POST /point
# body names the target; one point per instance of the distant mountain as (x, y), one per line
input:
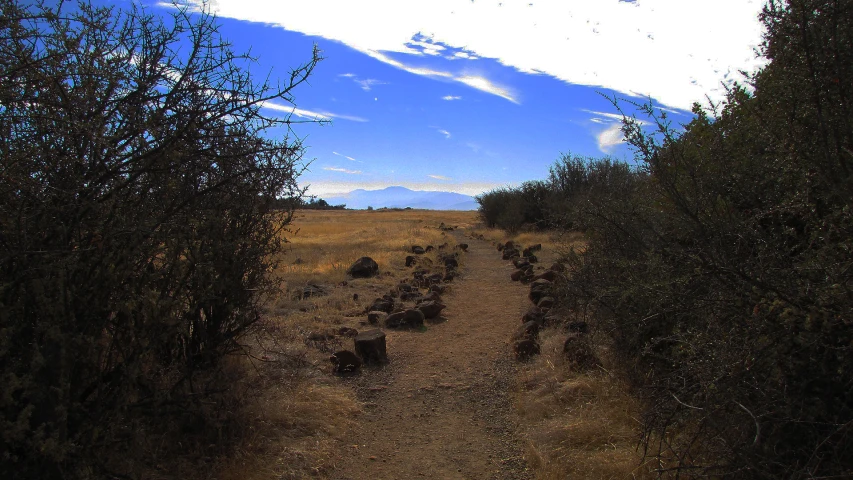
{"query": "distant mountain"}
(401, 197)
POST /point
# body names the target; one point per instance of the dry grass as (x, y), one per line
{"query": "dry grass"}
(297, 414)
(577, 424)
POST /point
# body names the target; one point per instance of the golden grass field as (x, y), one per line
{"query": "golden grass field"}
(577, 425)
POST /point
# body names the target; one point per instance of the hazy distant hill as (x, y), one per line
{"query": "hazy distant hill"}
(400, 197)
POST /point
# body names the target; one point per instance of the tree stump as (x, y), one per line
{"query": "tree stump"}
(370, 346)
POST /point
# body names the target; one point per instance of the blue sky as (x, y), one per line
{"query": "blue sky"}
(469, 95)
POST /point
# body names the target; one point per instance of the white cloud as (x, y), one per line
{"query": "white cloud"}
(368, 83)
(673, 50)
(443, 132)
(451, 97)
(347, 75)
(347, 157)
(310, 114)
(440, 177)
(610, 137)
(343, 170)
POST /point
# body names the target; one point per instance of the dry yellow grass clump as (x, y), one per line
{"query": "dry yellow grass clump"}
(578, 424)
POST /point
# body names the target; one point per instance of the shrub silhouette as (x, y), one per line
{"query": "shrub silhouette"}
(721, 265)
(137, 228)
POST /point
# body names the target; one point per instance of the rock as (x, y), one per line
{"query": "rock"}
(538, 290)
(525, 349)
(430, 297)
(577, 326)
(534, 314)
(376, 316)
(536, 248)
(418, 250)
(345, 361)
(381, 305)
(429, 248)
(410, 260)
(531, 258)
(549, 275)
(440, 289)
(405, 287)
(500, 247)
(364, 267)
(558, 267)
(509, 244)
(529, 330)
(516, 275)
(521, 262)
(411, 318)
(509, 253)
(347, 332)
(545, 303)
(431, 309)
(450, 275)
(313, 290)
(443, 246)
(411, 296)
(371, 346)
(579, 352)
(451, 263)
(463, 247)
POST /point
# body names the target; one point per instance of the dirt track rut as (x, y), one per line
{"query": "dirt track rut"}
(441, 408)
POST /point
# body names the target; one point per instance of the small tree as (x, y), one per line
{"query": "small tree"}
(137, 227)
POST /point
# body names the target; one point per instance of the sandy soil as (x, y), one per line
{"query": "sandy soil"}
(441, 407)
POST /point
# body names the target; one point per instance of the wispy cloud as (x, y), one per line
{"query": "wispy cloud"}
(343, 170)
(605, 43)
(347, 75)
(347, 157)
(368, 83)
(440, 177)
(443, 132)
(450, 98)
(311, 114)
(611, 136)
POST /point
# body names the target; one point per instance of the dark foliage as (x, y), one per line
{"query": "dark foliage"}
(136, 229)
(723, 267)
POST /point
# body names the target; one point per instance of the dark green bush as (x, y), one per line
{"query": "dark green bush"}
(725, 277)
(136, 229)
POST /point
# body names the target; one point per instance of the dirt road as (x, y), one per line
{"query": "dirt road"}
(441, 408)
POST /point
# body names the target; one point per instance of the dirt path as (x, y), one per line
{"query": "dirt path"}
(441, 408)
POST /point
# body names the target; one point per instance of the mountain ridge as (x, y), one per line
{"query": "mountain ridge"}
(402, 197)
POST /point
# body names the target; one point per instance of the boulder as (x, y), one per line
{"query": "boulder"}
(579, 353)
(431, 309)
(345, 361)
(534, 314)
(411, 318)
(558, 267)
(521, 262)
(347, 332)
(439, 289)
(463, 247)
(418, 250)
(516, 275)
(429, 248)
(405, 287)
(410, 260)
(411, 296)
(371, 346)
(545, 303)
(364, 267)
(525, 348)
(549, 275)
(381, 305)
(577, 326)
(509, 244)
(376, 316)
(538, 290)
(528, 330)
(510, 253)
(430, 297)
(531, 258)
(313, 290)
